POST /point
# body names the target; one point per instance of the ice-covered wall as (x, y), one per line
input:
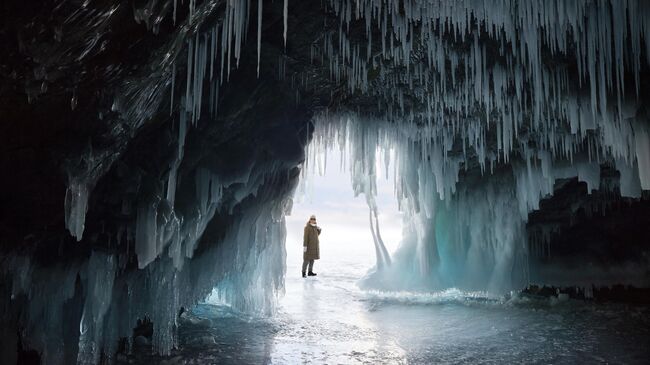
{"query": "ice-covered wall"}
(169, 198)
(172, 173)
(243, 266)
(223, 230)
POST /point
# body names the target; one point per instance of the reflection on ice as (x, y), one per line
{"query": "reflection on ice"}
(328, 319)
(447, 296)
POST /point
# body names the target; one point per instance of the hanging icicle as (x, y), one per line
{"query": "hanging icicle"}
(285, 14)
(259, 35)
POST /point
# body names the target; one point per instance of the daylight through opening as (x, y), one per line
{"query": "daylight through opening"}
(359, 227)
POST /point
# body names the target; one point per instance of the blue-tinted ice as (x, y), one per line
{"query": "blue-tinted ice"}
(327, 319)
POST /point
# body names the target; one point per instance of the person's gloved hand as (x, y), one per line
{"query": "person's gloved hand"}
(304, 248)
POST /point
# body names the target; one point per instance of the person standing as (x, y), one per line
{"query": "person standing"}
(311, 249)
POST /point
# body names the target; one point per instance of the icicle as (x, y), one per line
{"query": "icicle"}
(259, 34)
(76, 206)
(171, 106)
(174, 16)
(285, 15)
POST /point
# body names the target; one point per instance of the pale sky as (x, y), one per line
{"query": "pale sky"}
(346, 237)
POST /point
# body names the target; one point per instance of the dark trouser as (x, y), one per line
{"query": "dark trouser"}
(304, 265)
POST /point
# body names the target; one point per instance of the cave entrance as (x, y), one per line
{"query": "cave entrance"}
(347, 247)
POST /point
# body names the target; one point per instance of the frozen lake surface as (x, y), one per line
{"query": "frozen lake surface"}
(328, 320)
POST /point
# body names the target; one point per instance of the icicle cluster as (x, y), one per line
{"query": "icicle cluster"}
(478, 72)
(526, 92)
(83, 174)
(459, 232)
(209, 54)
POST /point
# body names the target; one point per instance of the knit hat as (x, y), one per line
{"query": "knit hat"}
(313, 216)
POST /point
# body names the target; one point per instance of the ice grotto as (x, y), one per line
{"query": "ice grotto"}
(152, 150)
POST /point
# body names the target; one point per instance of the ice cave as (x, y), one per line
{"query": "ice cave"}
(480, 168)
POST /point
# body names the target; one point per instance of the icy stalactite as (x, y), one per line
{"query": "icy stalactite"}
(380, 258)
(259, 35)
(83, 173)
(98, 281)
(160, 228)
(173, 173)
(383, 257)
(75, 207)
(214, 49)
(285, 18)
(642, 149)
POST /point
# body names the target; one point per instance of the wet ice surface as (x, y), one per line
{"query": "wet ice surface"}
(327, 319)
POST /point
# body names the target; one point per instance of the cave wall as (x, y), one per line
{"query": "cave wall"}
(96, 239)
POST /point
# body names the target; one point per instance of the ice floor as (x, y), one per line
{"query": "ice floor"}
(328, 320)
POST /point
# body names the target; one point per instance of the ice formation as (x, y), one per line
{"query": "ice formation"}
(484, 103)
(469, 236)
(461, 230)
(461, 83)
(246, 266)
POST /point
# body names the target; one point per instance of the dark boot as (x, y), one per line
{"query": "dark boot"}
(303, 275)
(311, 273)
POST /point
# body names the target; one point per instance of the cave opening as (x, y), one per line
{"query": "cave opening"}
(347, 245)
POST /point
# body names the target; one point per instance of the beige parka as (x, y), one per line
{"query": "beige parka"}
(310, 240)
